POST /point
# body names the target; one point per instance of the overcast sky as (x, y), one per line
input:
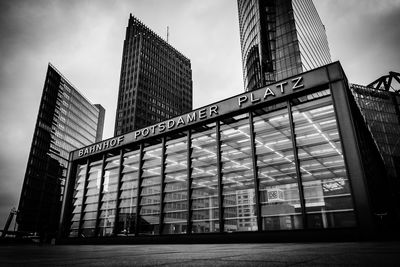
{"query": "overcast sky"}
(83, 40)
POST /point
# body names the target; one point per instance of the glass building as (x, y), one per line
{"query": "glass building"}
(381, 112)
(280, 39)
(66, 121)
(155, 82)
(283, 160)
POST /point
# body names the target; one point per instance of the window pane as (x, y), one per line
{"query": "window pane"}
(325, 182)
(279, 193)
(128, 197)
(175, 192)
(237, 175)
(91, 199)
(109, 196)
(204, 186)
(150, 191)
(77, 199)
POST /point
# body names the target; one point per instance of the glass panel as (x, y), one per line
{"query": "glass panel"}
(175, 192)
(91, 199)
(279, 193)
(77, 199)
(150, 191)
(326, 185)
(109, 196)
(237, 175)
(204, 186)
(128, 197)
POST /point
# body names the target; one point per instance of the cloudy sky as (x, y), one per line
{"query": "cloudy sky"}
(83, 39)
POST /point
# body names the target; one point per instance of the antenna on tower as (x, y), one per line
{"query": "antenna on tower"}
(167, 33)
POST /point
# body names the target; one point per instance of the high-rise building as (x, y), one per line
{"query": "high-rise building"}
(155, 82)
(66, 121)
(280, 39)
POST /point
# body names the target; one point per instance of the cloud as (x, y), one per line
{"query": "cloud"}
(363, 35)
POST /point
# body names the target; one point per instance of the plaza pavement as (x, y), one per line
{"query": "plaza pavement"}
(272, 254)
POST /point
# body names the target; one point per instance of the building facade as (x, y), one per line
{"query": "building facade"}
(381, 111)
(280, 39)
(155, 82)
(268, 162)
(66, 121)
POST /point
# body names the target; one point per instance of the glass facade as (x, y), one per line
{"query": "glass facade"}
(381, 112)
(66, 121)
(155, 82)
(280, 39)
(279, 189)
(127, 207)
(276, 167)
(325, 183)
(204, 181)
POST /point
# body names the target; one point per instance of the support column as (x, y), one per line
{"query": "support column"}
(117, 198)
(255, 173)
(162, 186)
(96, 229)
(219, 174)
(189, 183)
(83, 197)
(297, 163)
(139, 183)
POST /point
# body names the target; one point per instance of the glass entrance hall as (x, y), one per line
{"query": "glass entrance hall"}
(286, 157)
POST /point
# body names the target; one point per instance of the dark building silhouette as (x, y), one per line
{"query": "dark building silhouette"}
(280, 39)
(155, 82)
(66, 121)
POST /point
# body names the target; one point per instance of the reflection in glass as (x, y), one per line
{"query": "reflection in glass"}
(149, 215)
(109, 196)
(128, 195)
(325, 182)
(204, 186)
(279, 193)
(237, 175)
(175, 190)
(91, 199)
(77, 199)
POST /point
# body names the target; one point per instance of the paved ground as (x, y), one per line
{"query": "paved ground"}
(279, 254)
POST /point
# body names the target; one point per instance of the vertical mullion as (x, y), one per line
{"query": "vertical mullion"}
(220, 196)
(162, 185)
(117, 200)
(297, 164)
(85, 184)
(189, 183)
(255, 172)
(139, 183)
(96, 229)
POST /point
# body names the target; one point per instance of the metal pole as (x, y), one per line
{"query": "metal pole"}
(297, 163)
(139, 183)
(219, 172)
(255, 173)
(117, 199)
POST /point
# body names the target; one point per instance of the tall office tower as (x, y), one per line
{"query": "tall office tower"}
(381, 111)
(280, 39)
(66, 121)
(155, 82)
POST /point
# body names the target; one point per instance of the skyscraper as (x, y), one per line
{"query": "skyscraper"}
(155, 82)
(66, 121)
(280, 39)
